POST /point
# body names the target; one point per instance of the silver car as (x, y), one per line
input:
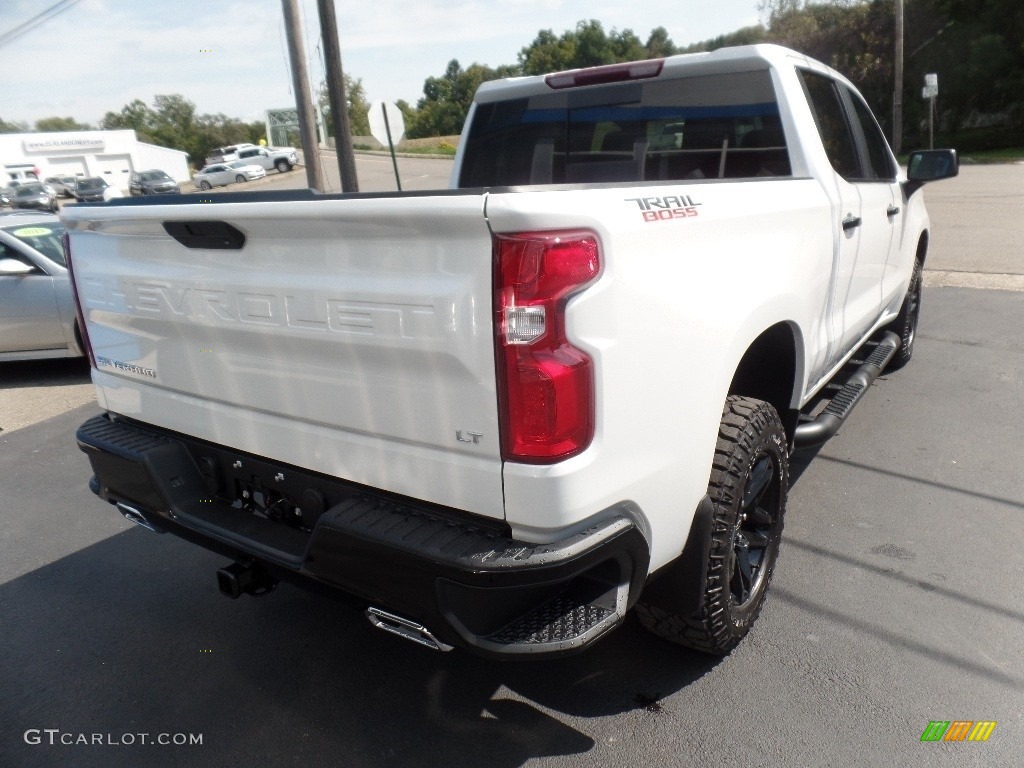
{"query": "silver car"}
(37, 311)
(222, 174)
(62, 185)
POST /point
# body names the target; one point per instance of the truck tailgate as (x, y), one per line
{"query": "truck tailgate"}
(349, 336)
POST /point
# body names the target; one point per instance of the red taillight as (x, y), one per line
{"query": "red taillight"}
(78, 302)
(547, 406)
(610, 73)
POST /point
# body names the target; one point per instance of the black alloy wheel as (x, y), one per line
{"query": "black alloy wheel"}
(748, 487)
(758, 530)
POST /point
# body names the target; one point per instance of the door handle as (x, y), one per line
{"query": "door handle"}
(851, 222)
(891, 211)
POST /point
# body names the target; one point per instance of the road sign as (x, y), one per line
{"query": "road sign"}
(387, 127)
(929, 92)
(378, 127)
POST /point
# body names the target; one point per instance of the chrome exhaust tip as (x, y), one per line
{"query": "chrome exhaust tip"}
(406, 628)
(135, 516)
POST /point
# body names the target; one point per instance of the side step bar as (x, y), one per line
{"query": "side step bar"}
(828, 422)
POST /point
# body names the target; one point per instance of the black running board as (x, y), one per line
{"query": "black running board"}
(828, 422)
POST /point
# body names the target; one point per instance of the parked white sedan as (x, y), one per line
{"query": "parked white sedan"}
(222, 174)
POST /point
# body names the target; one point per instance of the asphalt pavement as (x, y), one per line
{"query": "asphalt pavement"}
(896, 602)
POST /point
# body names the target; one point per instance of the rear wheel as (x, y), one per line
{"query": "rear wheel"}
(905, 324)
(240, 178)
(748, 487)
(282, 165)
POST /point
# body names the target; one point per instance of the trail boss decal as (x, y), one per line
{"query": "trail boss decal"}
(665, 208)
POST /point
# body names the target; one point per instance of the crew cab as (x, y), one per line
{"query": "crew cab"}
(227, 154)
(502, 415)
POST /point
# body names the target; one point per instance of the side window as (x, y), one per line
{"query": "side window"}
(882, 166)
(7, 252)
(832, 125)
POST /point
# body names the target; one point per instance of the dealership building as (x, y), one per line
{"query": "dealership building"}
(111, 155)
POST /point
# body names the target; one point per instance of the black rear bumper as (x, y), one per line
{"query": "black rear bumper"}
(461, 576)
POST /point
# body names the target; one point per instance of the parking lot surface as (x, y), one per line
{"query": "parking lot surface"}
(896, 602)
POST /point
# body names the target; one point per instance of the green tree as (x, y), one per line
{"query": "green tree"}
(358, 106)
(446, 99)
(856, 37)
(547, 53)
(659, 44)
(47, 124)
(744, 36)
(409, 112)
(210, 131)
(585, 46)
(980, 63)
(12, 127)
(976, 48)
(135, 115)
(588, 45)
(174, 123)
(255, 132)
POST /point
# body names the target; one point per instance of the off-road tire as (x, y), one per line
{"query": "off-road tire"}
(750, 432)
(283, 166)
(905, 324)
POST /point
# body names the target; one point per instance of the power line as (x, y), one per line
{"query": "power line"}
(24, 28)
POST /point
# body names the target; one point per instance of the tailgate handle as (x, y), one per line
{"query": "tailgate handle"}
(205, 234)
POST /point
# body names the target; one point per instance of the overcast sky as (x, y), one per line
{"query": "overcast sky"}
(100, 54)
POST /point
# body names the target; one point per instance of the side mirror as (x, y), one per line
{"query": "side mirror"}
(930, 165)
(14, 267)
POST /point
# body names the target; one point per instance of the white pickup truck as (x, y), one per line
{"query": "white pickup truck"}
(502, 415)
(269, 157)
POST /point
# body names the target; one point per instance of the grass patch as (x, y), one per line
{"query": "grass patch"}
(440, 149)
(990, 156)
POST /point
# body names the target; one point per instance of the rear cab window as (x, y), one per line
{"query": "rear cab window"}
(699, 127)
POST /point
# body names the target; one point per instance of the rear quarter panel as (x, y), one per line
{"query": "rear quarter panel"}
(676, 306)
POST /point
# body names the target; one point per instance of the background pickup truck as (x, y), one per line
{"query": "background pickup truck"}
(269, 157)
(502, 415)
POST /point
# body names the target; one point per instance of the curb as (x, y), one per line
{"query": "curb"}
(385, 153)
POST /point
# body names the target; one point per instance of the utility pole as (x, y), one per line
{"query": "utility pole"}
(897, 99)
(336, 94)
(303, 99)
